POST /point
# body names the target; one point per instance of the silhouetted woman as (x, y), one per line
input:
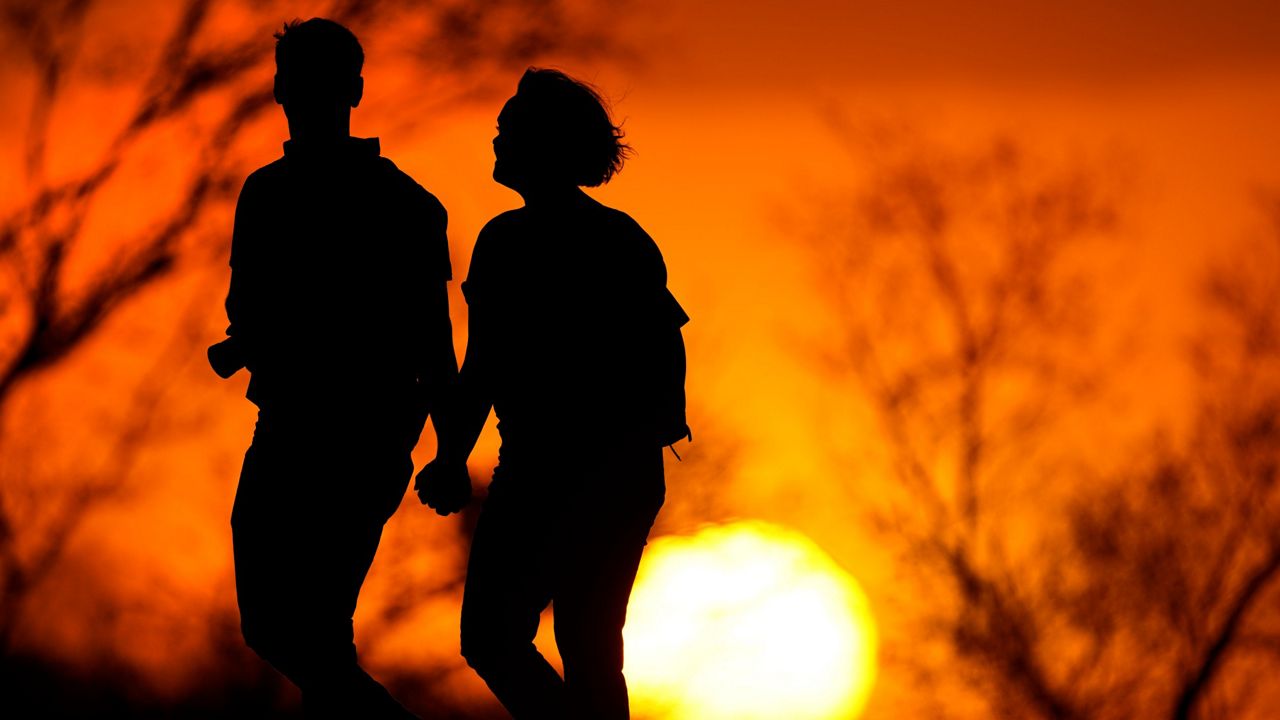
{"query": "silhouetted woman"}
(575, 343)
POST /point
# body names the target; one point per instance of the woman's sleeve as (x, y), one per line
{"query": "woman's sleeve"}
(480, 284)
(662, 306)
(669, 310)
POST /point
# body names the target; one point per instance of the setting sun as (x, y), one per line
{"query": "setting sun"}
(747, 620)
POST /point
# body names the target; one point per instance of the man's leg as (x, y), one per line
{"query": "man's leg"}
(305, 537)
(358, 482)
(507, 588)
(336, 686)
(265, 540)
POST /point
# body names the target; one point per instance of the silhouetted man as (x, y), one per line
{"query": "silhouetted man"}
(338, 308)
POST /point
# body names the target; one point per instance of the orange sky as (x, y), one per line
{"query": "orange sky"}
(727, 104)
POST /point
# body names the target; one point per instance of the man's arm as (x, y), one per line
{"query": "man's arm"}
(471, 402)
(472, 398)
(435, 363)
(233, 353)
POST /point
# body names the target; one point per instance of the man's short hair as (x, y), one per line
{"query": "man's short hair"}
(574, 118)
(318, 49)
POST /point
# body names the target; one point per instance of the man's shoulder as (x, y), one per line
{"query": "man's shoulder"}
(265, 177)
(403, 185)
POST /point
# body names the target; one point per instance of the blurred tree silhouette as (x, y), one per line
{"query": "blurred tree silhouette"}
(1185, 549)
(1049, 591)
(191, 99)
(960, 323)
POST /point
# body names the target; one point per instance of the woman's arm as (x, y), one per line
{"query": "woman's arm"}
(472, 398)
(444, 484)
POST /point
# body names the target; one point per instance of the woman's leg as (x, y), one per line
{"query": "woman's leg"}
(600, 554)
(508, 586)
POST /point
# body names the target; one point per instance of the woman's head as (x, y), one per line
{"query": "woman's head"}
(556, 131)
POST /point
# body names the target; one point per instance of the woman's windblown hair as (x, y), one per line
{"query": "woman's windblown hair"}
(573, 117)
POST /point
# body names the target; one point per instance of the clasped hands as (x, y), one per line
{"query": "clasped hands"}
(444, 486)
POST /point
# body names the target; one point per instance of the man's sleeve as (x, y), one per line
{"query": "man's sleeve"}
(436, 238)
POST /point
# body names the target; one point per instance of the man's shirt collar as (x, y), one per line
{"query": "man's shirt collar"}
(344, 147)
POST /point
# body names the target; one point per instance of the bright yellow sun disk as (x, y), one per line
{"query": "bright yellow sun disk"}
(748, 621)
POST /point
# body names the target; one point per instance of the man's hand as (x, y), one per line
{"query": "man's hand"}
(444, 487)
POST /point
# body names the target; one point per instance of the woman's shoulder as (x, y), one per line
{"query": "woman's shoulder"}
(620, 220)
(624, 233)
(629, 236)
(501, 232)
(630, 251)
(504, 223)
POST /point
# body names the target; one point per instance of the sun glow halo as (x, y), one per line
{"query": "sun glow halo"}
(748, 621)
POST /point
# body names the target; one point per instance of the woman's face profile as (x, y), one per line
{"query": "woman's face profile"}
(508, 155)
(519, 159)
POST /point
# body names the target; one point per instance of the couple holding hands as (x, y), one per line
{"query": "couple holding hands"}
(338, 308)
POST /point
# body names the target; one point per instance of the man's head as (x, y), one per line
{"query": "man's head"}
(318, 65)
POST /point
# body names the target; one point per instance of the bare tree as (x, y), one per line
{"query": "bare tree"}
(50, 311)
(1187, 545)
(1051, 587)
(959, 318)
